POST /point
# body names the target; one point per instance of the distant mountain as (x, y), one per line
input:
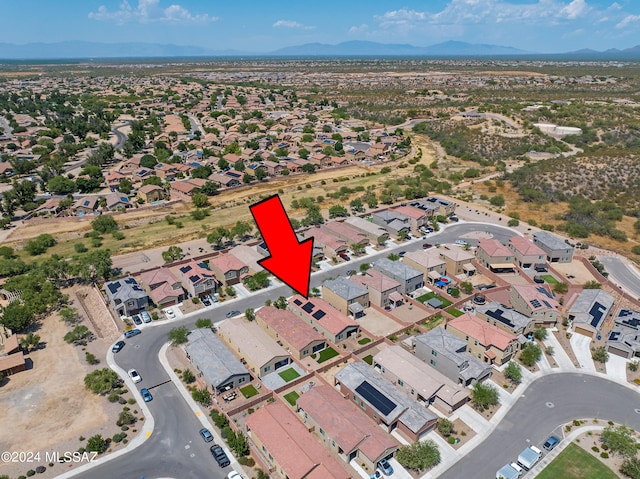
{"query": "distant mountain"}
(612, 53)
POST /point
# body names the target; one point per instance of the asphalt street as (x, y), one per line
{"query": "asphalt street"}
(548, 402)
(175, 448)
(620, 272)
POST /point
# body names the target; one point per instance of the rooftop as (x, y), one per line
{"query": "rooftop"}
(525, 246)
(124, 289)
(227, 262)
(494, 248)
(252, 341)
(396, 269)
(295, 331)
(508, 317)
(551, 241)
(345, 288)
(486, 334)
(375, 280)
(323, 313)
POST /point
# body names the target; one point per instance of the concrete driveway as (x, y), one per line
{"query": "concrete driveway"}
(582, 350)
(617, 368)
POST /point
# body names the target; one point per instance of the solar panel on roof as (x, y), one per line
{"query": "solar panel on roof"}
(319, 314)
(374, 397)
(543, 291)
(297, 301)
(614, 335)
(194, 278)
(185, 269)
(86, 203)
(113, 287)
(597, 311)
(233, 175)
(625, 312)
(130, 281)
(546, 303)
(535, 303)
(308, 307)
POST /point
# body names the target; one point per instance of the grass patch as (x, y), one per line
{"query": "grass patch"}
(549, 279)
(576, 463)
(327, 354)
(433, 322)
(249, 391)
(455, 312)
(289, 374)
(426, 297)
(292, 397)
(364, 341)
(368, 359)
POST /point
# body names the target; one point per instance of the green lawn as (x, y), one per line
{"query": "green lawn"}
(455, 312)
(327, 354)
(433, 322)
(576, 463)
(364, 341)
(426, 297)
(249, 391)
(549, 279)
(292, 397)
(289, 374)
(368, 359)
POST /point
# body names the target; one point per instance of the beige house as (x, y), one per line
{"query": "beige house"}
(228, 269)
(537, 302)
(375, 233)
(527, 254)
(346, 296)
(324, 318)
(458, 261)
(494, 255)
(383, 290)
(429, 262)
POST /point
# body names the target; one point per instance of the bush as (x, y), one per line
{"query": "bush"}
(204, 323)
(125, 418)
(31, 472)
(91, 359)
(118, 437)
(451, 440)
(540, 334)
(445, 426)
(633, 365)
(419, 456)
(484, 395)
(188, 377)
(96, 444)
(113, 397)
(530, 354)
(600, 354)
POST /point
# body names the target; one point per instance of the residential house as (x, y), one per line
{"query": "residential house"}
(448, 354)
(273, 168)
(485, 341)
(346, 296)
(298, 337)
(198, 278)
(557, 250)
(126, 297)
(324, 318)
(422, 383)
(343, 429)
(331, 245)
(588, 309)
(394, 223)
(229, 270)
(527, 254)
(346, 232)
(113, 179)
(383, 290)
(151, 193)
(429, 262)
(183, 189)
(288, 447)
(507, 319)
(624, 338)
(248, 255)
(219, 369)
(383, 402)
(445, 207)
(536, 301)
(86, 205)
(49, 207)
(223, 180)
(378, 151)
(252, 344)
(163, 287)
(376, 234)
(117, 202)
(130, 165)
(494, 255)
(409, 278)
(166, 171)
(142, 174)
(417, 217)
(458, 261)
(6, 169)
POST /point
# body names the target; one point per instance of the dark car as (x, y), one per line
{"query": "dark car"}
(136, 319)
(351, 272)
(454, 218)
(206, 301)
(402, 253)
(219, 455)
(551, 442)
(131, 333)
(117, 347)
(344, 256)
(146, 395)
(206, 434)
(231, 314)
(426, 245)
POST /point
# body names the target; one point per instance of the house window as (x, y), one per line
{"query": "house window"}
(433, 363)
(267, 368)
(241, 380)
(322, 432)
(412, 391)
(264, 449)
(400, 382)
(434, 352)
(355, 398)
(363, 405)
(475, 343)
(375, 415)
(467, 338)
(306, 351)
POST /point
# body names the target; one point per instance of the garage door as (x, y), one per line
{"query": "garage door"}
(584, 332)
(618, 352)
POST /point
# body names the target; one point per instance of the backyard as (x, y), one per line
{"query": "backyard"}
(426, 297)
(249, 391)
(292, 397)
(289, 374)
(576, 463)
(327, 354)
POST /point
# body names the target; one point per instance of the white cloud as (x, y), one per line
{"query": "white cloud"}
(628, 20)
(359, 28)
(149, 11)
(575, 9)
(291, 24)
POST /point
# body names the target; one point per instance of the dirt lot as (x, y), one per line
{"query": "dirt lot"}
(48, 406)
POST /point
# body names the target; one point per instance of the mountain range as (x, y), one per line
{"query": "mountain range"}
(95, 50)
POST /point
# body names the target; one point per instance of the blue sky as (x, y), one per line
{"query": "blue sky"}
(544, 26)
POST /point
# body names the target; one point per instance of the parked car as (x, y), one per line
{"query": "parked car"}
(402, 253)
(133, 374)
(454, 218)
(551, 442)
(136, 319)
(385, 466)
(235, 475)
(206, 301)
(170, 314)
(206, 434)
(146, 395)
(426, 245)
(233, 313)
(344, 256)
(145, 316)
(213, 298)
(117, 347)
(131, 333)
(461, 242)
(219, 455)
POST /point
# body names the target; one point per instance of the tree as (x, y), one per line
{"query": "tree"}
(69, 314)
(102, 381)
(357, 205)
(222, 163)
(125, 186)
(631, 467)
(497, 200)
(466, 287)
(148, 161)
(600, 354)
(620, 439)
(280, 303)
(241, 229)
(125, 418)
(357, 248)
(94, 265)
(261, 173)
(78, 335)
(200, 200)
(201, 396)
(419, 456)
(209, 188)
(445, 426)
(174, 253)
(309, 168)
(178, 336)
(540, 333)
(104, 224)
(204, 323)
(17, 317)
(364, 267)
(338, 211)
(530, 354)
(513, 372)
(592, 284)
(304, 154)
(96, 444)
(393, 256)
(217, 235)
(257, 281)
(484, 395)
(249, 314)
(31, 339)
(60, 185)
(40, 244)
(560, 288)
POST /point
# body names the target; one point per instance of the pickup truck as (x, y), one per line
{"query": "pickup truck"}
(529, 457)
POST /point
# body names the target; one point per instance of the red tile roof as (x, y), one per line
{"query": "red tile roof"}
(295, 331)
(525, 246)
(227, 262)
(333, 320)
(410, 211)
(485, 333)
(494, 248)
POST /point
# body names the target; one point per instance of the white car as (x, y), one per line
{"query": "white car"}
(235, 475)
(133, 374)
(170, 314)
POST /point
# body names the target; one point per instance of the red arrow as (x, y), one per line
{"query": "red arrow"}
(289, 259)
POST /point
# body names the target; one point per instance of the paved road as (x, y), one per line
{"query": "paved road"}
(164, 454)
(622, 273)
(573, 396)
(121, 137)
